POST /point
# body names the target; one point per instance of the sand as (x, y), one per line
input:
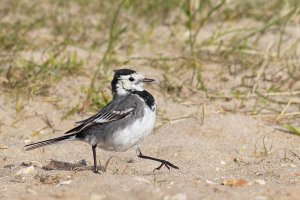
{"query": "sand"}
(220, 155)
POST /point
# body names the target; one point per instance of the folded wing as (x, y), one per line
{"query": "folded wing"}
(104, 116)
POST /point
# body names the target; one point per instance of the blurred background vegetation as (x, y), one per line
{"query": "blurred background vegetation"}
(220, 50)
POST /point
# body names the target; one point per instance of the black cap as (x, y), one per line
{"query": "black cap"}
(123, 72)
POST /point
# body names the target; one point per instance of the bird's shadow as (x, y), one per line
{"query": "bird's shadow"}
(80, 165)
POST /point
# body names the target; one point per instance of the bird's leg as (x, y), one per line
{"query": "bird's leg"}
(95, 170)
(165, 163)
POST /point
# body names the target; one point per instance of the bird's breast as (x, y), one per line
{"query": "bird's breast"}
(133, 133)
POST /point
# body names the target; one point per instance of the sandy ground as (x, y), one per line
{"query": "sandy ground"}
(220, 155)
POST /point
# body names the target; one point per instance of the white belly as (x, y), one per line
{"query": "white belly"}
(134, 133)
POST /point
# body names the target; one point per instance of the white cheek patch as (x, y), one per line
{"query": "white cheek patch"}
(137, 84)
(125, 84)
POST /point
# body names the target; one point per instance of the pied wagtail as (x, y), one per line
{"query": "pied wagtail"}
(120, 125)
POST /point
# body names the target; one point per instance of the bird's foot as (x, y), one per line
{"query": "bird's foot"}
(96, 171)
(167, 164)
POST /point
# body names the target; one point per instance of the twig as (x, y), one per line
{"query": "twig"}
(283, 111)
(273, 100)
(260, 72)
(2, 190)
(3, 177)
(158, 58)
(295, 154)
(278, 94)
(275, 115)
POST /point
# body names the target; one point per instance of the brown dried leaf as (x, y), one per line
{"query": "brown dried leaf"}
(2, 146)
(297, 174)
(235, 182)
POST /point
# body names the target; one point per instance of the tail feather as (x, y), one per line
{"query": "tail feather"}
(49, 142)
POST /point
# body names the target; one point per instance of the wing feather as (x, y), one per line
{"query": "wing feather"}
(104, 116)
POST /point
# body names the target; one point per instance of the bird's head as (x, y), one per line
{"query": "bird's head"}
(127, 80)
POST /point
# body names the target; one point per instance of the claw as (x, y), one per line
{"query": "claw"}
(162, 162)
(96, 171)
(167, 167)
(159, 167)
(173, 166)
(166, 164)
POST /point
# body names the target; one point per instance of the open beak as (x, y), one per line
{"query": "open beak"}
(148, 80)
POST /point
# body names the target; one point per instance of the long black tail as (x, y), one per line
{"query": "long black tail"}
(51, 141)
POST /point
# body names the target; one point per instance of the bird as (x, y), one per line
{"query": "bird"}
(122, 124)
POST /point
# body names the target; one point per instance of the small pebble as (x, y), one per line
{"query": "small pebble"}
(179, 196)
(27, 141)
(260, 182)
(27, 170)
(95, 196)
(260, 198)
(64, 183)
(31, 191)
(141, 180)
(210, 182)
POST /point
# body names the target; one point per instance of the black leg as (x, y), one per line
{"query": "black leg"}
(95, 170)
(165, 163)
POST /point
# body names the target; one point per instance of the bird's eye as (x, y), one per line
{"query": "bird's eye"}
(131, 79)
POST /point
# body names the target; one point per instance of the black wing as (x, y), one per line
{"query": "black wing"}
(104, 116)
